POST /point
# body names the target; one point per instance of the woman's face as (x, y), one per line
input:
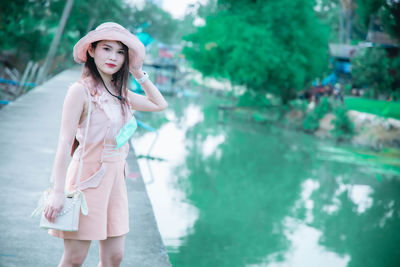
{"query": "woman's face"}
(108, 56)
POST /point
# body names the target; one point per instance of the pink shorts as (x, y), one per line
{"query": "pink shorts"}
(108, 203)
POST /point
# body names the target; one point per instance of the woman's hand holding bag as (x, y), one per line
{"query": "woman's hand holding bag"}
(54, 206)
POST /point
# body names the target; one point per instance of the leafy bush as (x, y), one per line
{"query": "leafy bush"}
(344, 127)
(311, 120)
(253, 99)
(298, 104)
(322, 108)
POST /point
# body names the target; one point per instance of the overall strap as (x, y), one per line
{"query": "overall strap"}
(78, 179)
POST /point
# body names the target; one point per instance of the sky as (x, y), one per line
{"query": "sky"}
(177, 7)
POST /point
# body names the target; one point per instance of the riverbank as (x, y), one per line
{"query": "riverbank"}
(368, 129)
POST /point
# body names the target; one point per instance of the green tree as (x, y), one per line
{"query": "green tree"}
(28, 27)
(268, 46)
(23, 28)
(387, 10)
(371, 68)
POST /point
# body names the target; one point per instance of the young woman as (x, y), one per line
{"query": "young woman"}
(109, 52)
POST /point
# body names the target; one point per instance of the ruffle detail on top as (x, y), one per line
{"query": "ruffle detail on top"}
(90, 85)
(98, 97)
(101, 101)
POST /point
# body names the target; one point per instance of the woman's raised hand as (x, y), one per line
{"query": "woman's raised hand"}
(137, 64)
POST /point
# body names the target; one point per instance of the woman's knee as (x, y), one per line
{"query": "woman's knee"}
(78, 259)
(116, 258)
(113, 259)
(74, 253)
(74, 260)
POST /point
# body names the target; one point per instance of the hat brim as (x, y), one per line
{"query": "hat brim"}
(136, 48)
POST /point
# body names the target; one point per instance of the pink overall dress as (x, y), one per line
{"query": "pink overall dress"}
(104, 170)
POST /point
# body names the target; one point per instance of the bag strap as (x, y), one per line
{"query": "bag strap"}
(78, 179)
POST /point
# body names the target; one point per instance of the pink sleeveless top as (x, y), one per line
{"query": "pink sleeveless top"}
(106, 119)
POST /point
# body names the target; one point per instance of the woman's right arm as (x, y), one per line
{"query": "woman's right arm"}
(74, 105)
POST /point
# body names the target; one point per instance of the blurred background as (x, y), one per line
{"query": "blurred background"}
(281, 142)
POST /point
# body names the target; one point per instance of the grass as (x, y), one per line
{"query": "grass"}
(377, 107)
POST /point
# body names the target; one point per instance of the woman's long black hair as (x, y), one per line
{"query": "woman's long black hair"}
(119, 79)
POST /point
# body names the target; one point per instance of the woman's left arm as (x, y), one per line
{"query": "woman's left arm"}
(152, 101)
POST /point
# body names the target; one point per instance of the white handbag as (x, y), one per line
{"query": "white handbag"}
(68, 218)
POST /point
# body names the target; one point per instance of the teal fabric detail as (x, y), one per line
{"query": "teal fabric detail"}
(126, 132)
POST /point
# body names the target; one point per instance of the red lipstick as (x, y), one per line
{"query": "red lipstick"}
(111, 65)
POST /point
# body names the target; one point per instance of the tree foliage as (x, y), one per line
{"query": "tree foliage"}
(274, 46)
(28, 27)
(387, 10)
(372, 68)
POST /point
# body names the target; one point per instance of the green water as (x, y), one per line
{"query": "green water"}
(240, 194)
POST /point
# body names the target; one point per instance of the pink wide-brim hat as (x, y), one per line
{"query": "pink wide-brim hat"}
(114, 32)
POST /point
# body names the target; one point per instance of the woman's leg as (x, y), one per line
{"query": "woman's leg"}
(111, 251)
(75, 252)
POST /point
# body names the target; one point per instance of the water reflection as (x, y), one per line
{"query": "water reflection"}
(238, 194)
(175, 216)
(305, 249)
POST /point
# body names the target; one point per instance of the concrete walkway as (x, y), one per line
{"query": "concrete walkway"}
(28, 140)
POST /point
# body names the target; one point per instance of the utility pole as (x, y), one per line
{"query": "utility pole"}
(53, 47)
